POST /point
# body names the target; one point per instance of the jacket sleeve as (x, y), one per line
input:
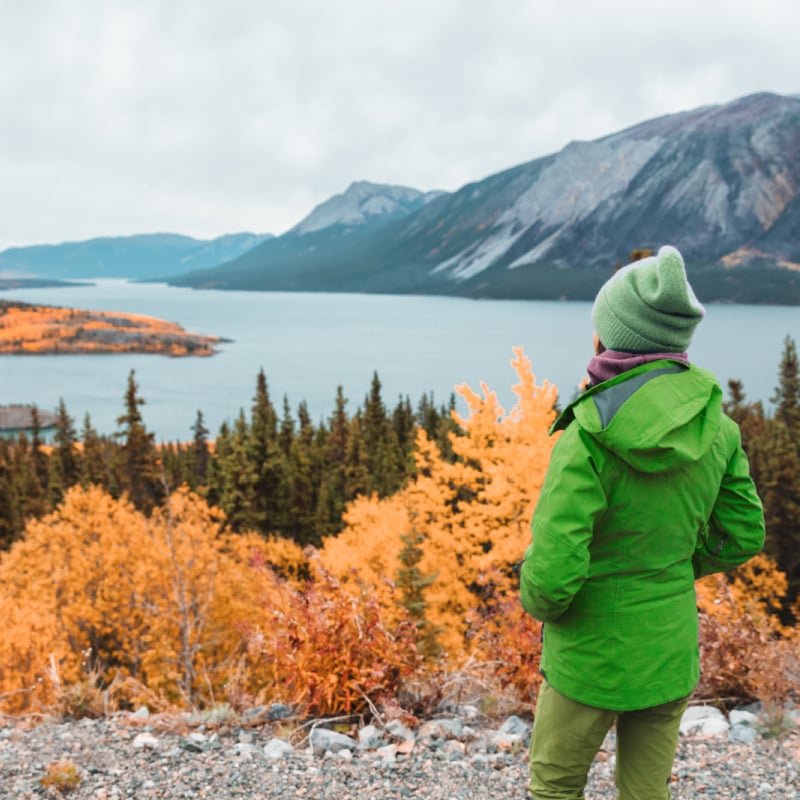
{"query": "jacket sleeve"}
(572, 498)
(735, 530)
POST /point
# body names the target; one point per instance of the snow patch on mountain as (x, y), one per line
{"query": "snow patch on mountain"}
(362, 202)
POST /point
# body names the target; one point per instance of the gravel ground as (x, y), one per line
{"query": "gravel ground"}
(229, 762)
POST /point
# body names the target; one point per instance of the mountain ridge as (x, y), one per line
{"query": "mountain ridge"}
(721, 182)
(142, 256)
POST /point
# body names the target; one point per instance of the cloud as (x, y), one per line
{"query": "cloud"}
(203, 117)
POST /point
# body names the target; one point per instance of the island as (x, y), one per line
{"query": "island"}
(29, 329)
(16, 418)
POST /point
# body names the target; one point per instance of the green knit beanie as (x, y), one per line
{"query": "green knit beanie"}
(648, 306)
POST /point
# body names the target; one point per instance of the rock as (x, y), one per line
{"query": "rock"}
(143, 712)
(218, 715)
(245, 749)
(609, 743)
(405, 748)
(742, 733)
(468, 711)
(515, 725)
(454, 750)
(441, 729)
(738, 717)
(369, 738)
(197, 737)
(703, 722)
(399, 730)
(277, 749)
(512, 734)
(254, 714)
(387, 753)
(343, 755)
(245, 737)
(322, 739)
(468, 734)
(145, 741)
(190, 745)
(279, 711)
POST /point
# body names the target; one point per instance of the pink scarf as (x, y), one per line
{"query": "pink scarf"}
(611, 363)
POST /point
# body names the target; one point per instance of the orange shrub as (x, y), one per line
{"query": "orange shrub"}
(325, 650)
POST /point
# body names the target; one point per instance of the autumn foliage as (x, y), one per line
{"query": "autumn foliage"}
(28, 328)
(175, 608)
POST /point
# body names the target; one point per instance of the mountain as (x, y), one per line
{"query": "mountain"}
(721, 182)
(142, 256)
(336, 227)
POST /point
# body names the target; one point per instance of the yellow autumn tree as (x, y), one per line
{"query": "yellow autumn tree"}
(471, 517)
(151, 599)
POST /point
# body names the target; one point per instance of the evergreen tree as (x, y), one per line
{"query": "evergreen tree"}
(40, 465)
(780, 491)
(9, 522)
(239, 479)
(412, 584)
(384, 460)
(200, 455)
(356, 471)
(286, 433)
(268, 462)
(138, 470)
(64, 452)
(787, 393)
(333, 470)
(93, 463)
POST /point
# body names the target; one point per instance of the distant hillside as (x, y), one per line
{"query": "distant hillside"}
(721, 182)
(142, 256)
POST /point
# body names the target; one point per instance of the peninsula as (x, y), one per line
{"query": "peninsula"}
(28, 329)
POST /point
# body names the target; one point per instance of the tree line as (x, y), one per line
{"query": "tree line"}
(280, 473)
(772, 443)
(274, 473)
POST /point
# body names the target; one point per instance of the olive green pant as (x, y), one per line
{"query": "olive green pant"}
(567, 735)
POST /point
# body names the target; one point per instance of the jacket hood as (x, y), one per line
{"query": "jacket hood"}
(656, 417)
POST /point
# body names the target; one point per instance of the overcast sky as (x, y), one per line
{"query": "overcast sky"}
(206, 117)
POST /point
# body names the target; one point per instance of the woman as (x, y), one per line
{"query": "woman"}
(647, 489)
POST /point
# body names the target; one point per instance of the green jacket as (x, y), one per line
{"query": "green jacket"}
(647, 489)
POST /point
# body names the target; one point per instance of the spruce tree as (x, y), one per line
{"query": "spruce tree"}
(787, 393)
(412, 583)
(64, 452)
(200, 455)
(267, 461)
(239, 480)
(138, 470)
(94, 462)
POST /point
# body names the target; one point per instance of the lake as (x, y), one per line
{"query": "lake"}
(309, 343)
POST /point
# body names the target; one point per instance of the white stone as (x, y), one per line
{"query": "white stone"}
(143, 712)
(369, 737)
(245, 750)
(344, 755)
(737, 717)
(399, 730)
(703, 722)
(196, 737)
(277, 749)
(387, 753)
(322, 740)
(742, 733)
(145, 740)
